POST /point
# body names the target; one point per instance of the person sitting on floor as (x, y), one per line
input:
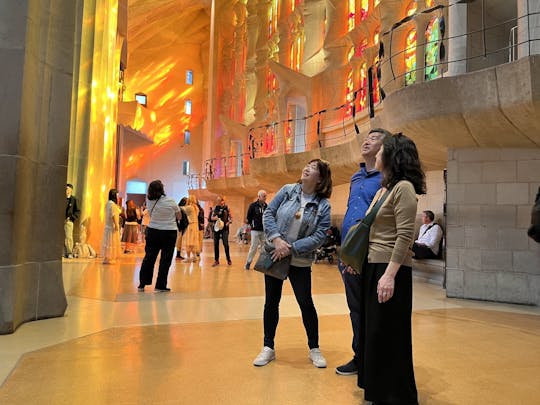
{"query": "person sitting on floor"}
(429, 238)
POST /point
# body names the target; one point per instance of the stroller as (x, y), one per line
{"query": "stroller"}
(329, 248)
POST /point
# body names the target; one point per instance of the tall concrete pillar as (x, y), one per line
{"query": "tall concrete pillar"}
(36, 49)
(528, 27)
(457, 39)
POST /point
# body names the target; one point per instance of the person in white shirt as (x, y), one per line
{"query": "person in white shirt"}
(160, 237)
(429, 238)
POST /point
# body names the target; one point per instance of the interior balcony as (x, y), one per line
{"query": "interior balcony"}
(497, 107)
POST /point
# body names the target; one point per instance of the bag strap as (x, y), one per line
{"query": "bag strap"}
(369, 218)
(152, 210)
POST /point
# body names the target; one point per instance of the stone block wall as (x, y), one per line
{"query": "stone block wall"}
(490, 195)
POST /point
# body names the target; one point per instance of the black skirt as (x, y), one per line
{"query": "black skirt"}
(385, 369)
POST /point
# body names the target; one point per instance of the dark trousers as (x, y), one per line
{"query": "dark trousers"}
(353, 294)
(224, 235)
(422, 252)
(157, 240)
(300, 278)
(385, 369)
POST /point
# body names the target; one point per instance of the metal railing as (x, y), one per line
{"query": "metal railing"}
(336, 125)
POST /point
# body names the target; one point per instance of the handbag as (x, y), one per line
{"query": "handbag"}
(354, 249)
(218, 225)
(266, 265)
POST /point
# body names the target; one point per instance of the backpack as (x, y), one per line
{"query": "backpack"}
(183, 222)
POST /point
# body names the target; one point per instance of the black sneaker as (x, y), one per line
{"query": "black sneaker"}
(165, 289)
(347, 369)
(140, 288)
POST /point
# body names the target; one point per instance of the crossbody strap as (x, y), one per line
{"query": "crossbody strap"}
(369, 218)
(152, 210)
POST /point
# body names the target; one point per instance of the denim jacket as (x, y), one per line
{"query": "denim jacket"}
(277, 219)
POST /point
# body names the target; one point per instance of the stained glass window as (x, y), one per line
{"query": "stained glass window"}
(430, 3)
(295, 4)
(352, 14)
(296, 53)
(363, 88)
(271, 83)
(364, 10)
(376, 94)
(350, 91)
(411, 8)
(350, 54)
(273, 17)
(376, 36)
(433, 33)
(376, 3)
(410, 58)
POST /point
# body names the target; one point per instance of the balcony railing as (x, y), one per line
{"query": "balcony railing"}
(335, 125)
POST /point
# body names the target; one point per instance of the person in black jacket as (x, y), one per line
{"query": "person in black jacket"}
(72, 214)
(221, 212)
(534, 229)
(254, 219)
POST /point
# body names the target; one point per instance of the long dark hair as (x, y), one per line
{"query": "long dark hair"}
(324, 188)
(113, 195)
(155, 190)
(401, 162)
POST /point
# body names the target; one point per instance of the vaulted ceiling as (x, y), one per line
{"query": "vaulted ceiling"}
(165, 38)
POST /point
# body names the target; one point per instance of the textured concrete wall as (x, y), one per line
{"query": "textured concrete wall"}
(36, 49)
(490, 195)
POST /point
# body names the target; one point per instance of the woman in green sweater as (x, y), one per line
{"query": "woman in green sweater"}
(386, 367)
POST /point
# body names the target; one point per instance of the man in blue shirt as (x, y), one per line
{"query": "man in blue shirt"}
(364, 184)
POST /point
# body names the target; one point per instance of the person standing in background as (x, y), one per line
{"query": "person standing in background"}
(255, 220)
(72, 214)
(110, 245)
(221, 212)
(130, 236)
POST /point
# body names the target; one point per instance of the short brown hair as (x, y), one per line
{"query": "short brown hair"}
(155, 190)
(324, 188)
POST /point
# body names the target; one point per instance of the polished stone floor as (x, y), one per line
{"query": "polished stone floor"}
(196, 344)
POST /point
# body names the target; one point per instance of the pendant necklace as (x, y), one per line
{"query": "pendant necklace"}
(299, 212)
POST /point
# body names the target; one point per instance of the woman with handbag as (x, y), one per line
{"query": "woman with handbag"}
(295, 223)
(385, 369)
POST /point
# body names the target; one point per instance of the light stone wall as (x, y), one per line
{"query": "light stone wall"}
(490, 196)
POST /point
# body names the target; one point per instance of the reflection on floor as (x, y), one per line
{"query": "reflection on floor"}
(195, 345)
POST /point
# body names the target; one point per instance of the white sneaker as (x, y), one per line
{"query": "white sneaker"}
(317, 358)
(265, 356)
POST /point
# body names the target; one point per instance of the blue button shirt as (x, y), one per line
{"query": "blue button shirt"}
(363, 188)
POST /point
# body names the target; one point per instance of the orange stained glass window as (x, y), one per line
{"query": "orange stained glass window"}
(363, 88)
(410, 58)
(273, 17)
(349, 97)
(352, 14)
(295, 4)
(411, 8)
(376, 36)
(376, 93)
(296, 53)
(364, 10)
(350, 54)
(430, 3)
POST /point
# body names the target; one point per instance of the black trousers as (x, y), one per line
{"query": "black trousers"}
(385, 369)
(353, 289)
(223, 235)
(300, 278)
(422, 252)
(157, 240)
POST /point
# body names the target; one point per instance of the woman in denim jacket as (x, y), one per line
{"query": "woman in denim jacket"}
(296, 222)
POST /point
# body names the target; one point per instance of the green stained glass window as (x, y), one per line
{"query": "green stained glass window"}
(433, 34)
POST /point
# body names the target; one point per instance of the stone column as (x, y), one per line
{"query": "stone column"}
(36, 49)
(457, 42)
(528, 27)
